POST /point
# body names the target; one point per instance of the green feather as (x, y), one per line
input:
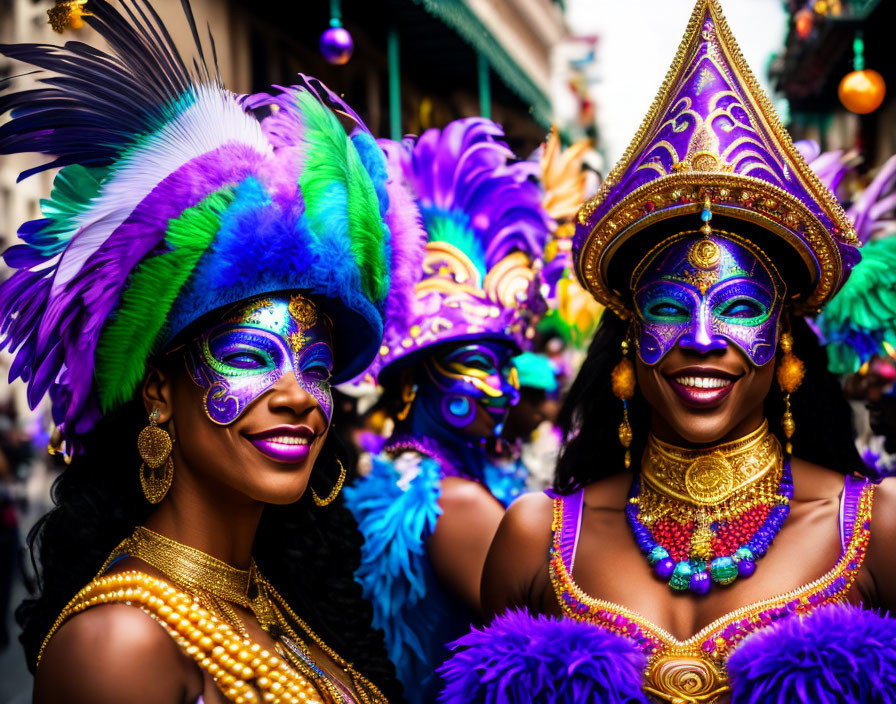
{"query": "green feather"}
(128, 338)
(334, 183)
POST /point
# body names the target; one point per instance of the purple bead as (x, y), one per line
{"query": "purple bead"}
(700, 582)
(745, 568)
(336, 45)
(665, 568)
(708, 646)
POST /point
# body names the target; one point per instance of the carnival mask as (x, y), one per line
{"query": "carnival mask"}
(259, 342)
(702, 292)
(470, 376)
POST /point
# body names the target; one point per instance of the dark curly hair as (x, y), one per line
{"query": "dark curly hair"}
(309, 553)
(591, 414)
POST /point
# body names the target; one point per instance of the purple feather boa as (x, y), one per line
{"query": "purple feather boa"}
(543, 660)
(835, 655)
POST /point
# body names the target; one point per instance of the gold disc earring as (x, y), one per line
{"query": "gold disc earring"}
(623, 379)
(790, 373)
(331, 497)
(157, 471)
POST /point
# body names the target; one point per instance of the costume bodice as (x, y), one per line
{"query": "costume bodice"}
(693, 670)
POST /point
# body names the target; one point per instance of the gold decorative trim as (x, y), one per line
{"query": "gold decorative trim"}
(629, 211)
(676, 195)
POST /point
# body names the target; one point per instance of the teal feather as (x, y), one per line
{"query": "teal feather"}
(453, 227)
(73, 189)
(128, 338)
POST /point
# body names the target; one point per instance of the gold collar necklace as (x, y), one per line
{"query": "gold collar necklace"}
(189, 568)
(710, 476)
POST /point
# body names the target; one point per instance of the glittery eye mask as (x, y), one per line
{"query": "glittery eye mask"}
(476, 374)
(240, 359)
(702, 293)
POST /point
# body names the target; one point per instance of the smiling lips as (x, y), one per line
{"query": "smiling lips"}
(701, 387)
(285, 443)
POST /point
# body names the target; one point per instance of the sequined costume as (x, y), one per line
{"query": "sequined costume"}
(457, 315)
(177, 198)
(710, 231)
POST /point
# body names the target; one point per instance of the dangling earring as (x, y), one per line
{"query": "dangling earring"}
(623, 379)
(408, 394)
(791, 371)
(154, 445)
(331, 497)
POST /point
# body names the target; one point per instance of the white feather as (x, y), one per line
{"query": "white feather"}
(213, 120)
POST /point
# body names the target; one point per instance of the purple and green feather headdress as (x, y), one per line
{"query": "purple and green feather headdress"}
(473, 231)
(712, 133)
(176, 197)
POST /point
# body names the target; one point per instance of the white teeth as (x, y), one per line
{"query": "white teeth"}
(288, 440)
(703, 382)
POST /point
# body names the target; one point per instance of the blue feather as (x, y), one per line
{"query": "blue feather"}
(395, 572)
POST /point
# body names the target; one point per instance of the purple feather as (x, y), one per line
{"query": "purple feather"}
(835, 655)
(520, 658)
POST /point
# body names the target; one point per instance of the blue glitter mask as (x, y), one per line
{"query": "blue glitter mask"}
(473, 375)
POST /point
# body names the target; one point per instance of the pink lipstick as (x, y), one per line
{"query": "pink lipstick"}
(701, 387)
(285, 443)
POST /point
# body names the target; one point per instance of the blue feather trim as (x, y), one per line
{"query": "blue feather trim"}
(395, 571)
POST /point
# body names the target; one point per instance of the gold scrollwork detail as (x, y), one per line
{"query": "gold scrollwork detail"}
(684, 680)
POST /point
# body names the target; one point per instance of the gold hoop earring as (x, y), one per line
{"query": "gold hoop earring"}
(157, 471)
(623, 379)
(790, 373)
(331, 497)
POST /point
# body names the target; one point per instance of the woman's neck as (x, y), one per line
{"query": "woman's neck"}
(663, 430)
(209, 517)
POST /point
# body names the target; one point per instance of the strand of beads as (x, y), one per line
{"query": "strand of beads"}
(691, 556)
(242, 669)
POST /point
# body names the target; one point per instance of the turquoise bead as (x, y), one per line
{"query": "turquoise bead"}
(744, 553)
(681, 577)
(658, 553)
(706, 215)
(724, 570)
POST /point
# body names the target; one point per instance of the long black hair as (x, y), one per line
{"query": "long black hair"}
(309, 553)
(591, 414)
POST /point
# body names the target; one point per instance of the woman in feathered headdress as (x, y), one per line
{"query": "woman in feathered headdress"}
(463, 297)
(701, 540)
(206, 266)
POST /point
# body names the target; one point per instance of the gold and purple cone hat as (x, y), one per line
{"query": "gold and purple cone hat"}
(712, 133)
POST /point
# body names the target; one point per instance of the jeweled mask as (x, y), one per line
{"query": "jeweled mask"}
(466, 377)
(259, 342)
(702, 292)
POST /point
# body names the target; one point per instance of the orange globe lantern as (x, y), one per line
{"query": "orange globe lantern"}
(862, 91)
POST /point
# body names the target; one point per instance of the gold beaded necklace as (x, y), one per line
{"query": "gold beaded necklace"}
(217, 585)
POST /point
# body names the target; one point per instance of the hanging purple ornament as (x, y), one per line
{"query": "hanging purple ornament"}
(336, 45)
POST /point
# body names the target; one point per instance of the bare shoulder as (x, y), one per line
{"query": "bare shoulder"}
(609, 493)
(114, 653)
(459, 494)
(529, 517)
(812, 482)
(516, 570)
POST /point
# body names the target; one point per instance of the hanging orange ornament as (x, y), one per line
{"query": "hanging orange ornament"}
(803, 20)
(862, 90)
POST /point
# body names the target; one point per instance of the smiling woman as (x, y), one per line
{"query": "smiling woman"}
(723, 496)
(207, 266)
